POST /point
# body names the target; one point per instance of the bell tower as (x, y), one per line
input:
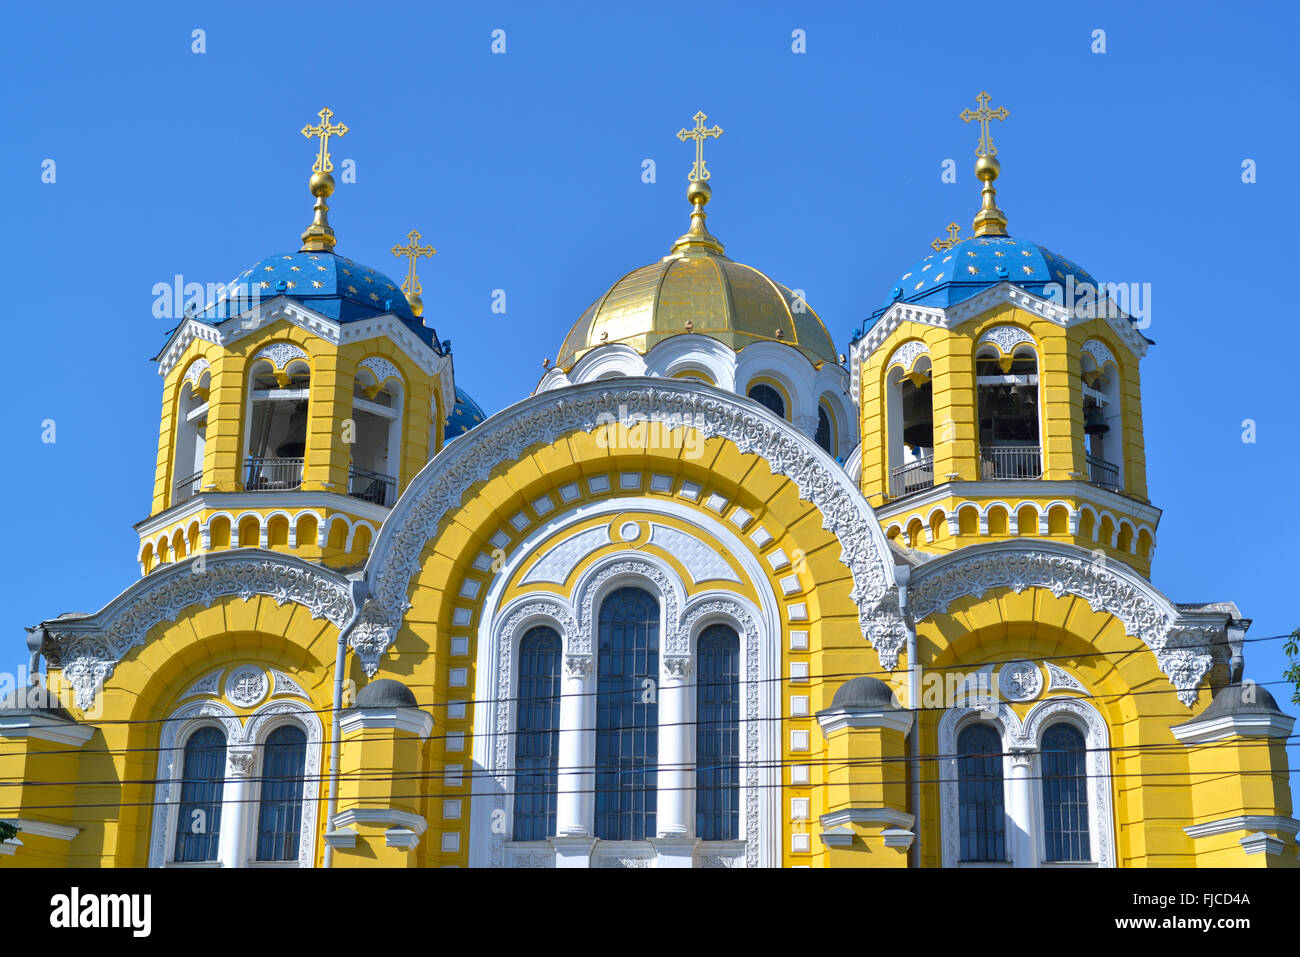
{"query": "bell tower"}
(298, 403)
(1000, 395)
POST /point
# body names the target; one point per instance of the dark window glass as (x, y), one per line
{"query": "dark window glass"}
(198, 819)
(537, 741)
(1065, 798)
(979, 794)
(284, 759)
(767, 396)
(717, 736)
(627, 716)
(824, 430)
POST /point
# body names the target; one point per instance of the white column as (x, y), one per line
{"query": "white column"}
(235, 797)
(575, 779)
(1020, 809)
(675, 801)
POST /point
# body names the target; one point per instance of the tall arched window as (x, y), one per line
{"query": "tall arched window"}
(627, 716)
(979, 794)
(537, 740)
(1008, 403)
(825, 435)
(910, 429)
(717, 735)
(277, 421)
(377, 437)
(279, 818)
(198, 821)
(766, 396)
(1065, 795)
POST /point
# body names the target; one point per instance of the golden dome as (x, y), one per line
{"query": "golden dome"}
(697, 290)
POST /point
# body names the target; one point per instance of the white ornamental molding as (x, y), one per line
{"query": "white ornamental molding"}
(283, 685)
(907, 354)
(382, 368)
(208, 685)
(1100, 352)
(1006, 338)
(1020, 681)
(280, 354)
(87, 648)
(246, 686)
(441, 486)
(1185, 646)
(1058, 679)
(702, 561)
(554, 566)
(676, 642)
(194, 374)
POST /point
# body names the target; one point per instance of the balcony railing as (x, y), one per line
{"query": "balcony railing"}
(912, 477)
(1011, 462)
(267, 475)
(187, 488)
(371, 486)
(1103, 473)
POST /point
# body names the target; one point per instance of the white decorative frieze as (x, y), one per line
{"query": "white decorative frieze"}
(1100, 352)
(561, 559)
(1006, 338)
(907, 354)
(382, 368)
(702, 561)
(280, 354)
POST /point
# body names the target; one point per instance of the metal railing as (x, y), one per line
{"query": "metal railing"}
(1011, 462)
(267, 475)
(371, 486)
(187, 488)
(912, 477)
(1103, 473)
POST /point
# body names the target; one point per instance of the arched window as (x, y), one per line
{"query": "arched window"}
(910, 427)
(198, 821)
(825, 434)
(1065, 795)
(1008, 401)
(717, 736)
(279, 818)
(277, 420)
(627, 716)
(767, 396)
(537, 740)
(1103, 419)
(979, 794)
(191, 433)
(377, 437)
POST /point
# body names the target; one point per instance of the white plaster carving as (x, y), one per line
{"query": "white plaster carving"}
(209, 684)
(382, 368)
(907, 354)
(1185, 650)
(1058, 679)
(198, 368)
(246, 686)
(556, 565)
(1006, 338)
(87, 648)
(440, 488)
(1020, 681)
(1100, 352)
(702, 561)
(280, 354)
(283, 685)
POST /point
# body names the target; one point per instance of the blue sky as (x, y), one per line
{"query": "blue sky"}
(524, 170)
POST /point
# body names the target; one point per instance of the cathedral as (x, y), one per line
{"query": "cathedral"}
(716, 594)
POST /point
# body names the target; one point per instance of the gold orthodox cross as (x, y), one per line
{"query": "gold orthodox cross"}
(940, 244)
(413, 251)
(699, 134)
(984, 114)
(324, 130)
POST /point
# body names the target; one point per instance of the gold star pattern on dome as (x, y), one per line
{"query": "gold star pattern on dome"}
(269, 268)
(973, 270)
(920, 284)
(939, 278)
(1029, 270)
(347, 272)
(374, 296)
(291, 284)
(352, 289)
(316, 283)
(264, 284)
(321, 269)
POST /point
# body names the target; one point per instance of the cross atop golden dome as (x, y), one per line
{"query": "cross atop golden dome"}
(319, 236)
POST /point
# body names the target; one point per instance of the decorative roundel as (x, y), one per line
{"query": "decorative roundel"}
(629, 531)
(1020, 681)
(246, 686)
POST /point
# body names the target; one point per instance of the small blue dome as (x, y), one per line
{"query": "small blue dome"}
(464, 416)
(950, 276)
(329, 284)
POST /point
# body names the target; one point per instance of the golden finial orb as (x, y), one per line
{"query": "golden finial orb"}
(321, 184)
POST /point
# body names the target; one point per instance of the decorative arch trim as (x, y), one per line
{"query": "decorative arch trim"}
(441, 486)
(1186, 646)
(87, 648)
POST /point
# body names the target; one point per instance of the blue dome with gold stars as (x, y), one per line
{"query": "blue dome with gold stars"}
(949, 276)
(324, 282)
(464, 416)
